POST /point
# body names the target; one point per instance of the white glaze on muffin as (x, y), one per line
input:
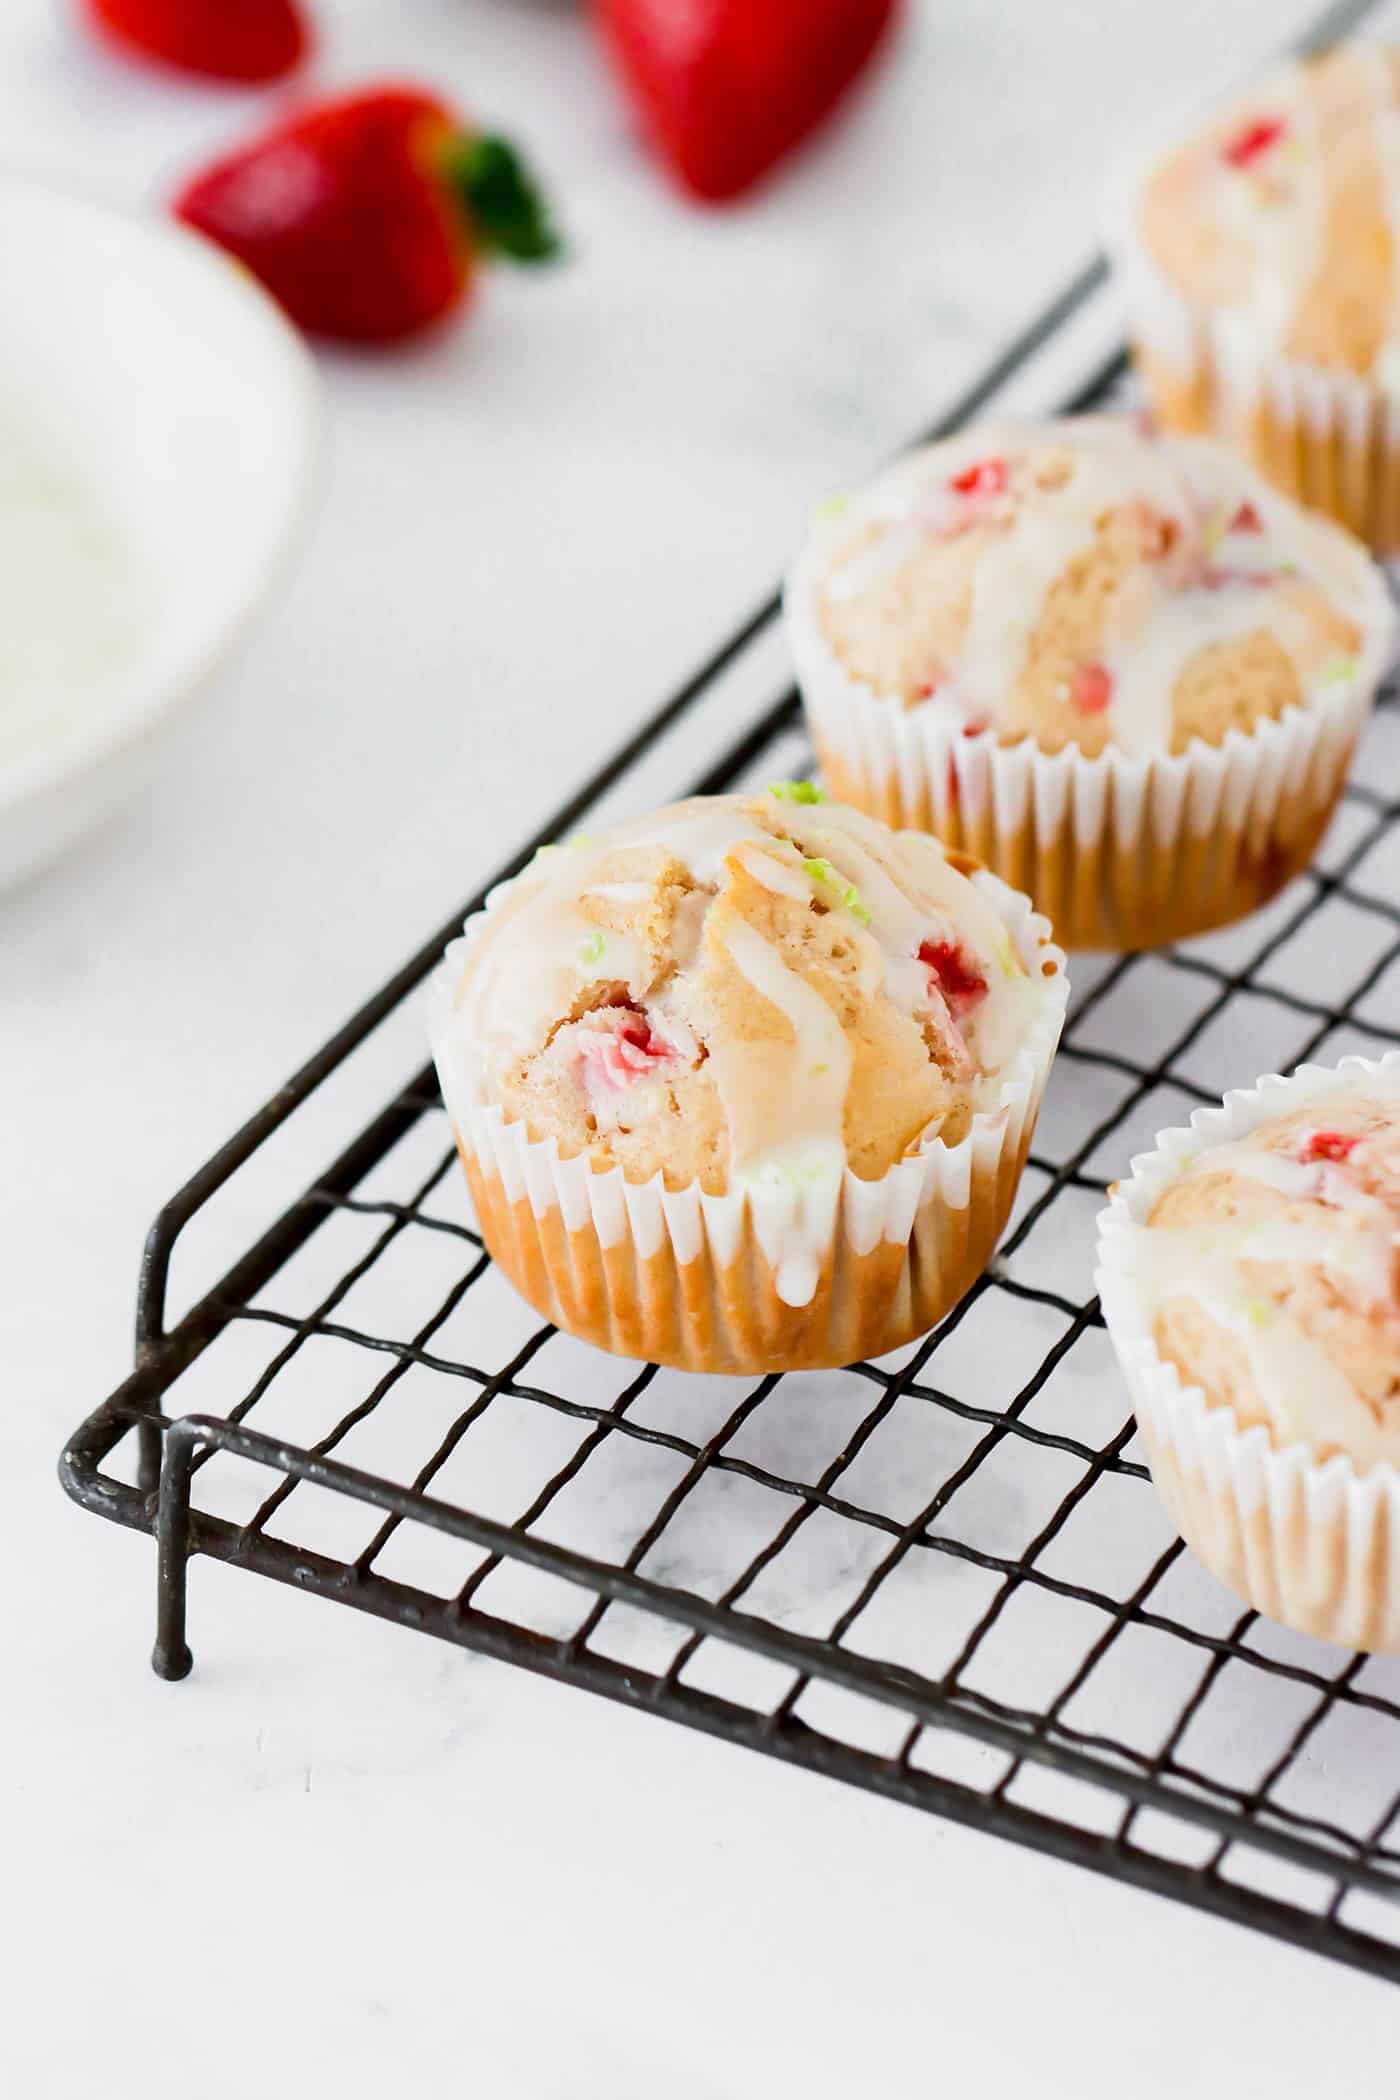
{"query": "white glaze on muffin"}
(1270, 1267)
(749, 994)
(1081, 584)
(1284, 211)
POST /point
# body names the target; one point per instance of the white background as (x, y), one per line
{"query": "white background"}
(342, 1860)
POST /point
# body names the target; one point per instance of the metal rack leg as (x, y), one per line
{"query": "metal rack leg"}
(171, 1658)
(148, 1457)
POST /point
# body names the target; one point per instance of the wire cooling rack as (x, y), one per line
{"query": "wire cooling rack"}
(944, 1576)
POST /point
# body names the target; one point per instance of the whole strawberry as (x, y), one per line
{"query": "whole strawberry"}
(365, 216)
(249, 40)
(725, 88)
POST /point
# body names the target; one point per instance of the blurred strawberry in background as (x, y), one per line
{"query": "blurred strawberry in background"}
(726, 88)
(244, 40)
(366, 216)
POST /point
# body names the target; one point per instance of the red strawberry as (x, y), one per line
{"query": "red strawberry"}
(365, 216)
(615, 1057)
(1327, 1144)
(726, 87)
(986, 478)
(1247, 144)
(1091, 689)
(954, 974)
(227, 39)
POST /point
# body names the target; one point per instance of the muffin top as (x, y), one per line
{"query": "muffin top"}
(1082, 584)
(1282, 210)
(1272, 1268)
(746, 992)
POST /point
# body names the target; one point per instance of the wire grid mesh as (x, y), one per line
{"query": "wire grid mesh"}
(988, 1547)
(945, 1575)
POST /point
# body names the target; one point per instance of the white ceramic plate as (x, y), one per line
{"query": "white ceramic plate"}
(158, 424)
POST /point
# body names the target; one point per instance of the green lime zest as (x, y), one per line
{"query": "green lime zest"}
(576, 844)
(591, 950)
(1338, 670)
(1258, 1312)
(847, 895)
(804, 791)
(834, 507)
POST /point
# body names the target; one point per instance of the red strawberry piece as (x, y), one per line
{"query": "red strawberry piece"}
(365, 216)
(615, 1057)
(1328, 1145)
(1091, 689)
(954, 975)
(249, 40)
(1253, 140)
(1246, 519)
(987, 477)
(726, 88)
(1215, 578)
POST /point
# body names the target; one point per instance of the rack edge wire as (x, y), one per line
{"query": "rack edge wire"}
(167, 1448)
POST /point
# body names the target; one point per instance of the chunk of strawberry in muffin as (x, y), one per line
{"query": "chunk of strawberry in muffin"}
(986, 477)
(954, 975)
(1326, 1145)
(1091, 689)
(617, 1047)
(1252, 141)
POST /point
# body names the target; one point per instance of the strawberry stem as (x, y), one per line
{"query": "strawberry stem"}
(508, 214)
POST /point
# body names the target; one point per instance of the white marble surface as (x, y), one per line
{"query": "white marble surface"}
(342, 1860)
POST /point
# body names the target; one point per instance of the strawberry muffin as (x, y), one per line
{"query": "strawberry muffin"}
(1126, 674)
(1252, 1286)
(1261, 259)
(747, 1084)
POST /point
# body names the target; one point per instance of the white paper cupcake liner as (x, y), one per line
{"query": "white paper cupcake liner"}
(1315, 1545)
(1118, 850)
(687, 1278)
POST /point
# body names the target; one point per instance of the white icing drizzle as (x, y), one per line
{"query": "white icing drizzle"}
(774, 873)
(787, 1143)
(1275, 208)
(1050, 530)
(784, 1096)
(517, 987)
(1282, 224)
(1222, 583)
(620, 892)
(700, 834)
(1145, 666)
(1346, 1233)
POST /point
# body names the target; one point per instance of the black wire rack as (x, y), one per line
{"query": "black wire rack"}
(944, 1576)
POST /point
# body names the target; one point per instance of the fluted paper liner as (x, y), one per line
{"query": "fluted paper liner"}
(681, 1277)
(1118, 850)
(1313, 1544)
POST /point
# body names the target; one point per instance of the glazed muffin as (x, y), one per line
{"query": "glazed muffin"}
(1262, 266)
(1124, 673)
(1251, 1281)
(747, 1083)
